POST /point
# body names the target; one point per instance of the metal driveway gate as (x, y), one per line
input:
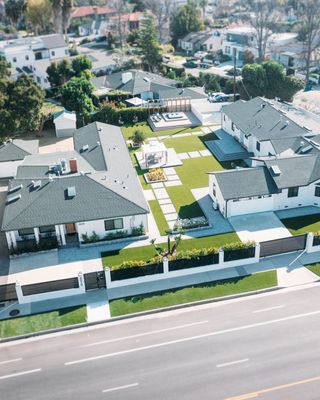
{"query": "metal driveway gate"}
(52, 286)
(284, 245)
(8, 292)
(95, 280)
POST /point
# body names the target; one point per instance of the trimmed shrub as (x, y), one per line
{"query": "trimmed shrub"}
(193, 258)
(238, 251)
(134, 269)
(111, 115)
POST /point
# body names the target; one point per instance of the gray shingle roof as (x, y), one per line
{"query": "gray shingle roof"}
(53, 41)
(259, 118)
(193, 93)
(110, 192)
(296, 171)
(18, 149)
(50, 205)
(141, 82)
(247, 182)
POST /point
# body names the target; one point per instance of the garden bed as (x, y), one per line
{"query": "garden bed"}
(127, 271)
(155, 175)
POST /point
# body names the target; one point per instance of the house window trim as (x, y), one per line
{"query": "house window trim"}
(25, 232)
(293, 191)
(44, 229)
(317, 189)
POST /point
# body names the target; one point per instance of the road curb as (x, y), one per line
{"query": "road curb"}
(140, 314)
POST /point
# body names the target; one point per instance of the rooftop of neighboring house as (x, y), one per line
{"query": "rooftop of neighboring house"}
(53, 41)
(260, 118)
(134, 81)
(130, 17)
(87, 11)
(17, 149)
(95, 181)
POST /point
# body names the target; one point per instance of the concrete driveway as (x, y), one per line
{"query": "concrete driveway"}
(259, 227)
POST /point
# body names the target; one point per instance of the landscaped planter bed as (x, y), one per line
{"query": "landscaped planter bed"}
(238, 254)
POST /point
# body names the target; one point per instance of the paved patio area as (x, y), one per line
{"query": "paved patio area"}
(259, 227)
(298, 212)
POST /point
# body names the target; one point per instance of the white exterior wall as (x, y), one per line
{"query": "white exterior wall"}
(58, 53)
(218, 200)
(9, 169)
(65, 126)
(246, 206)
(305, 197)
(98, 226)
(19, 56)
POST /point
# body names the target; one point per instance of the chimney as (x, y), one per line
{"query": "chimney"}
(73, 165)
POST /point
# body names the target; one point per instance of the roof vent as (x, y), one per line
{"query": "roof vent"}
(82, 173)
(262, 106)
(13, 198)
(71, 191)
(84, 148)
(275, 170)
(15, 189)
(36, 184)
(146, 79)
(98, 143)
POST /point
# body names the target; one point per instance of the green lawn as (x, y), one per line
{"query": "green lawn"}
(159, 217)
(315, 268)
(194, 171)
(144, 253)
(193, 293)
(184, 202)
(304, 224)
(44, 321)
(128, 130)
(185, 144)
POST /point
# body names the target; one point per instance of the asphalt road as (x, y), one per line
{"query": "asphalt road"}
(264, 347)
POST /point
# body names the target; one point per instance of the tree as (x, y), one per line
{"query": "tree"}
(149, 44)
(138, 137)
(4, 68)
(67, 6)
(81, 64)
(57, 15)
(76, 95)
(309, 32)
(59, 73)
(264, 13)
(161, 10)
(269, 80)
(184, 20)
(14, 10)
(203, 4)
(39, 13)
(248, 57)
(15, 98)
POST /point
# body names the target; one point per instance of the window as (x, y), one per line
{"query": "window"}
(232, 126)
(53, 53)
(14, 59)
(111, 224)
(26, 231)
(47, 229)
(258, 146)
(27, 58)
(214, 190)
(224, 117)
(293, 192)
(317, 191)
(66, 52)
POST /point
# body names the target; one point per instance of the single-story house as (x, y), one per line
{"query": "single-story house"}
(201, 41)
(65, 123)
(286, 160)
(12, 154)
(91, 191)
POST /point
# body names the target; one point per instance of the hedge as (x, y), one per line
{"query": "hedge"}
(183, 263)
(111, 115)
(135, 271)
(238, 254)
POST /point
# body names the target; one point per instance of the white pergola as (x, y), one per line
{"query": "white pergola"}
(154, 154)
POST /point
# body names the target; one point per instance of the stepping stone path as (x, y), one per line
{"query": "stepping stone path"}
(205, 153)
(194, 154)
(167, 208)
(149, 195)
(157, 185)
(161, 194)
(183, 156)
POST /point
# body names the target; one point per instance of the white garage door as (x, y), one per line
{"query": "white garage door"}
(250, 206)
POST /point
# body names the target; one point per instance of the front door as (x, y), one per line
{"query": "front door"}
(71, 229)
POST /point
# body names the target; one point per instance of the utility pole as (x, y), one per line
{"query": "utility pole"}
(234, 74)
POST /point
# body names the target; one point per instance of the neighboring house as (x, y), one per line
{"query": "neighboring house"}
(129, 22)
(95, 12)
(24, 54)
(239, 39)
(145, 85)
(12, 154)
(201, 41)
(93, 190)
(286, 159)
(65, 123)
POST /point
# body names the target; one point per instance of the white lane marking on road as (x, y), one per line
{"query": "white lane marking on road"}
(267, 309)
(120, 387)
(187, 339)
(232, 363)
(10, 361)
(30, 371)
(145, 334)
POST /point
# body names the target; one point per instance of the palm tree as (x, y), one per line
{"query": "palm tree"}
(203, 4)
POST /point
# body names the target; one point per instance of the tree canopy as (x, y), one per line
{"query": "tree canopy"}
(269, 80)
(149, 44)
(186, 19)
(60, 72)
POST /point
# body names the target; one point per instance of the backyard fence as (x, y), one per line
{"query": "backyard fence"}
(283, 245)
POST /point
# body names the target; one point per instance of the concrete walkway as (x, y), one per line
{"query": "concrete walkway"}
(295, 276)
(298, 212)
(98, 311)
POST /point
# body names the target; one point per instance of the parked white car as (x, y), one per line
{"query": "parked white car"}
(200, 54)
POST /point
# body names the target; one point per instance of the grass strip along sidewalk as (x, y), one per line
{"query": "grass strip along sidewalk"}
(40, 322)
(198, 292)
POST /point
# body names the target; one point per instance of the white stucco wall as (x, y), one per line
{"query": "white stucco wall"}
(98, 226)
(65, 126)
(9, 169)
(246, 206)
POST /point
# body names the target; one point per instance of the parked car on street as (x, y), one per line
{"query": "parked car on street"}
(200, 54)
(233, 72)
(190, 64)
